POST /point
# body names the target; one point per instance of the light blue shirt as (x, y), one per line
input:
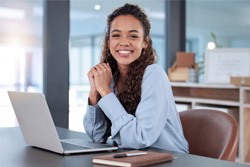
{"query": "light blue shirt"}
(156, 122)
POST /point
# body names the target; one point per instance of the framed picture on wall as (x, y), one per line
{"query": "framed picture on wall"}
(222, 63)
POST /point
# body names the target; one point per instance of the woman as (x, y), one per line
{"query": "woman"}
(130, 96)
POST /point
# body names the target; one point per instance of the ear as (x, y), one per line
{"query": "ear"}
(146, 42)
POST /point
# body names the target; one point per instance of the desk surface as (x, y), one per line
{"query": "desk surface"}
(15, 153)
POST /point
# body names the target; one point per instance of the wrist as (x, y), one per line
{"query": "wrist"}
(93, 98)
(105, 92)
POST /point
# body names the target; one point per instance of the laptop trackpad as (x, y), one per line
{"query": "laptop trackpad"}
(81, 142)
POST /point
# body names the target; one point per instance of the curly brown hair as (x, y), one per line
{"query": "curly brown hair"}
(130, 95)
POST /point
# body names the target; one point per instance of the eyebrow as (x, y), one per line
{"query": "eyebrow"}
(116, 30)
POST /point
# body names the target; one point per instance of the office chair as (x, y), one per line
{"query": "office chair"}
(210, 133)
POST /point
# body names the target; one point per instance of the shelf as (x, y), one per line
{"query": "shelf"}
(234, 100)
(207, 101)
(246, 95)
(227, 93)
(246, 105)
(199, 85)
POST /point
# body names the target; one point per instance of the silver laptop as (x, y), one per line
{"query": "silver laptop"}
(39, 130)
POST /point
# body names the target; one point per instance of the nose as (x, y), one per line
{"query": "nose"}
(124, 42)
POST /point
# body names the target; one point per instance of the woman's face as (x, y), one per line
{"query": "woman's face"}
(126, 40)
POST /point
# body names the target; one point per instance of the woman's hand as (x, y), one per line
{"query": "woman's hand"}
(93, 94)
(100, 77)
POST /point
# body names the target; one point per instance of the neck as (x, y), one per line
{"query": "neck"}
(123, 71)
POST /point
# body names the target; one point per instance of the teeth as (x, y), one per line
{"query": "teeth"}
(124, 51)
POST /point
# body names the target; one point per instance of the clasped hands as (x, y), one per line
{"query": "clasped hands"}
(99, 77)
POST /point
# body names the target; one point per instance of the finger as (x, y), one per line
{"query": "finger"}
(98, 68)
(102, 66)
(95, 71)
(90, 73)
(106, 66)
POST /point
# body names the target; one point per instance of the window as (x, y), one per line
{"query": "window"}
(20, 52)
(222, 22)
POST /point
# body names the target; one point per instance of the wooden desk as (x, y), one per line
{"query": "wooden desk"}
(15, 153)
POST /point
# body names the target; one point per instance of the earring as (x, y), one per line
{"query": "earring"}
(142, 52)
(108, 53)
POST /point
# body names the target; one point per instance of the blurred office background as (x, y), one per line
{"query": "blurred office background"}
(21, 42)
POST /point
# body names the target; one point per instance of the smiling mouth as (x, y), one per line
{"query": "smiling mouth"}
(124, 52)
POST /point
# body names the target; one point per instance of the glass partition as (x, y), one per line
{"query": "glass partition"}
(220, 23)
(20, 52)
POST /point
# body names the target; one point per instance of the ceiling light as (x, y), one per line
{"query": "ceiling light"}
(157, 15)
(11, 13)
(211, 45)
(97, 7)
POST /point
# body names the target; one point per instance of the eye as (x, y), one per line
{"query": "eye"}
(133, 36)
(115, 35)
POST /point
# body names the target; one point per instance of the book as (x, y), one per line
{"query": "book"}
(133, 161)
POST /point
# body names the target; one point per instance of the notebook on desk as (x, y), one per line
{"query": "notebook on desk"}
(39, 130)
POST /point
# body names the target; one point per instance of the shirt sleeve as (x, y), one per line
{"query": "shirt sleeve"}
(95, 123)
(143, 129)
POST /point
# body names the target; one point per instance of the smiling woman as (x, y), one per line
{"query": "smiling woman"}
(130, 97)
(86, 40)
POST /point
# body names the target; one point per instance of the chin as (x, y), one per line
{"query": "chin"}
(124, 63)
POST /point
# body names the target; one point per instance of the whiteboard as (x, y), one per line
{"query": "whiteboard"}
(220, 64)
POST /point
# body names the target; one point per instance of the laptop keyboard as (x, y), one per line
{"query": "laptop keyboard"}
(69, 146)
